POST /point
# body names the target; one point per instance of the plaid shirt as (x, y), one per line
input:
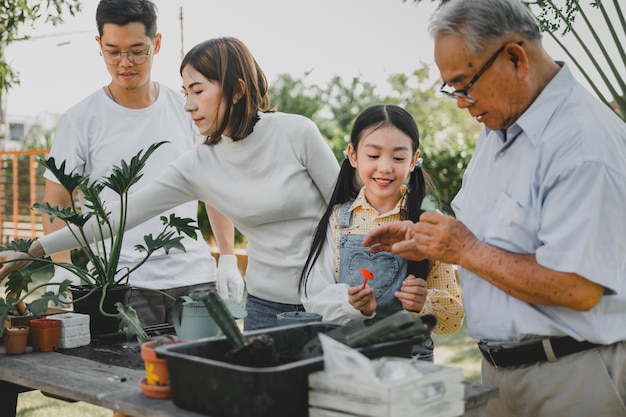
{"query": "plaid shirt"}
(444, 298)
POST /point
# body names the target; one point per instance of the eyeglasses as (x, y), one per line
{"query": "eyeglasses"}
(463, 92)
(136, 57)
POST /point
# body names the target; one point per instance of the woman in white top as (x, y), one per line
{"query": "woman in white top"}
(270, 173)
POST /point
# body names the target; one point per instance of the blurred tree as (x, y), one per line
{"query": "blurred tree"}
(296, 95)
(14, 15)
(343, 101)
(447, 134)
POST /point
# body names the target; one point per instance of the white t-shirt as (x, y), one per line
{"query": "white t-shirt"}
(96, 134)
(274, 186)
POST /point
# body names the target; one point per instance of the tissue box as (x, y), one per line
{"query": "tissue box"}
(74, 329)
(437, 393)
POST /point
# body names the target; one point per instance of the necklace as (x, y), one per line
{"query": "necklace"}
(156, 91)
(111, 94)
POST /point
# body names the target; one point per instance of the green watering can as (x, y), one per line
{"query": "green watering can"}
(193, 321)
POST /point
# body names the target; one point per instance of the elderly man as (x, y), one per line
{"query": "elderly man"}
(539, 234)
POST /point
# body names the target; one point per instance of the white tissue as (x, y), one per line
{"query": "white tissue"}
(342, 360)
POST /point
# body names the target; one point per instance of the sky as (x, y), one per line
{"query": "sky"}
(367, 38)
(371, 39)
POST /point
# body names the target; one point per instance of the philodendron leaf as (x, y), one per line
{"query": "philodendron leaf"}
(40, 305)
(165, 240)
(66, 214)
(125, 175)
(182, 225)
(93, 201)
(130, 321)
(5, 310)
(69, 181)
(19, 245)
(19, 281)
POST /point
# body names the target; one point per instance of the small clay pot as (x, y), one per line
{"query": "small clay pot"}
(45, 334)
(15, 340)
(156, 368)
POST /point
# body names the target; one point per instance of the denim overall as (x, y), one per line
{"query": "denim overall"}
(389, 271)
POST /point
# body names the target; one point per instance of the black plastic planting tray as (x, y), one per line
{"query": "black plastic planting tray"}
(203, 382)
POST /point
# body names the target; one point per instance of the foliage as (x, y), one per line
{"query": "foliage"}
(19, 283)
(447, 134)
(16, 14)
(557, 18)
(40, 135)
(295, 94)
(343, 102)
(103, 272)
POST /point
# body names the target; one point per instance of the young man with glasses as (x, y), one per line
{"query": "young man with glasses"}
(115, 122)
(540, 233)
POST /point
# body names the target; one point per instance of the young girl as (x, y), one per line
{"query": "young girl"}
(384, 152)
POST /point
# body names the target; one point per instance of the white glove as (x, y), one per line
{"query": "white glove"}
(60, 275)
(229, 280)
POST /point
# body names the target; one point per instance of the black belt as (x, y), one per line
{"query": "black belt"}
(540, 351)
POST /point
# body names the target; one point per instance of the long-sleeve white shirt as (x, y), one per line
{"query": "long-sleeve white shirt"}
(274, 186)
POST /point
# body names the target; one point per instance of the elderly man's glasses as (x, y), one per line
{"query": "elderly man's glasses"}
(136, 57)
(463, 92)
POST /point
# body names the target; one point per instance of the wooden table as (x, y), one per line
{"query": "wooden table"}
(79, 379)
(112, 381)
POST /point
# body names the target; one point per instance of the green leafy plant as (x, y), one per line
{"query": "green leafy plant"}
(102, 272)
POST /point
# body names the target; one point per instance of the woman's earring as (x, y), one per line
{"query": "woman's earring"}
(234, 101)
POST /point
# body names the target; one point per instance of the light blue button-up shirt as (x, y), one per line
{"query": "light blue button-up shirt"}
(557, 188)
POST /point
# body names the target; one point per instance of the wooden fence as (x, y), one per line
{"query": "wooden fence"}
(21, 185)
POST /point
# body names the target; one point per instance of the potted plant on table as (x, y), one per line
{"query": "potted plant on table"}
(15, 339)
(156, 384)
(102, 275)
(14, 313)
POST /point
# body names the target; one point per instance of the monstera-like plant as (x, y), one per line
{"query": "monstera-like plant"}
(102, 273)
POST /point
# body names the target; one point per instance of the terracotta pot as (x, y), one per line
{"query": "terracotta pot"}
(15, 340)
(156, 371)
(45, 334)
(20, 321)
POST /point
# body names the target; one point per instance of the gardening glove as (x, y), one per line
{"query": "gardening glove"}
(229, 280)
(60, 275)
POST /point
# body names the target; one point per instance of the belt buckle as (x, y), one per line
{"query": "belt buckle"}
(486, 348)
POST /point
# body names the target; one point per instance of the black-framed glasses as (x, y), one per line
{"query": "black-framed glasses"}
(136, 57)
(462, 93)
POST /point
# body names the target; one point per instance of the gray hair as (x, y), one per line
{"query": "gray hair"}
(484, 23)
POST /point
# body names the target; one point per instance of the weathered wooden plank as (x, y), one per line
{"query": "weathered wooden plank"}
(69, 377)
(80, 379)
